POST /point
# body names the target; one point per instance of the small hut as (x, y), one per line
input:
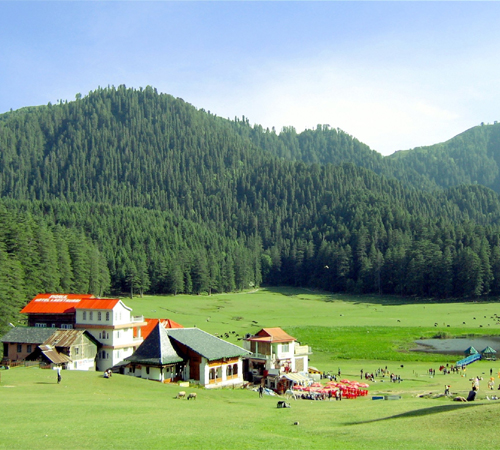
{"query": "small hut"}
(489, 353)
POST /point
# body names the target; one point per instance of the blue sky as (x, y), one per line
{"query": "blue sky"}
(395, 75)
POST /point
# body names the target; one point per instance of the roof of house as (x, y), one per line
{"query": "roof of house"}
(156, 349)
(54, 303)
(64, 338)
(151, 324)
(28, 335)
(271, 335)
(205, 344)
(68, 303)
(489, 350)
(53, 355)
(99, 303)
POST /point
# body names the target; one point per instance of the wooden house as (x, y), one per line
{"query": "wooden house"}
(73, 349)
(20, 342)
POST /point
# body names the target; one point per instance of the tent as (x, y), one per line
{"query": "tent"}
(489, 353)
(471, 351)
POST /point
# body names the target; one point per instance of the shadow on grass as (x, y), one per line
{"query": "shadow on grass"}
(423, 412)
(45, 382)
(373, 299)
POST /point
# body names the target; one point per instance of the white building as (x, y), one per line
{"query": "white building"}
(187, 354)
(273, 351)
(111, 323)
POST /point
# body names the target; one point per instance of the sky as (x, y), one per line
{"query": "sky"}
(395, 75)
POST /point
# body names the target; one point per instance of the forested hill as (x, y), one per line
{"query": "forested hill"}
(176, 199)
(472, 157)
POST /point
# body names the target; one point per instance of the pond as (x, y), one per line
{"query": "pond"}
(457, 346)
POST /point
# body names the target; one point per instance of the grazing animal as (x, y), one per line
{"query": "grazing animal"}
(295, 423)
(192, 395)
(283, 404)
(181, 394)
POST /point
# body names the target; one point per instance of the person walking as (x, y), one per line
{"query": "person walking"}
(58, 370)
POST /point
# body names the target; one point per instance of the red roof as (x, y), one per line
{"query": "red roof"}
(272, 335)
(167, 323)
(97, 303)
(54, 303)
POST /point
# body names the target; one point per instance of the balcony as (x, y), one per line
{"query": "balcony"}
(303, 350)
(262, 356)
(136, 319)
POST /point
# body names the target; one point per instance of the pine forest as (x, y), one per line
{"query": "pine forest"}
(129, 191)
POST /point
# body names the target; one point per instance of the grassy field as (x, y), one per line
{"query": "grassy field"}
(87, 411)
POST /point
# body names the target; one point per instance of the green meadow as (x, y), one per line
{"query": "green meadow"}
(349, 333)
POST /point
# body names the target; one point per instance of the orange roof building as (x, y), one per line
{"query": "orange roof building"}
(271, 335)
(54, 303)
(151, 324)
(275, 352)
(53, 310)
(109, 321)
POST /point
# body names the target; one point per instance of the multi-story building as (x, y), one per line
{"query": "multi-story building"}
(112, 324)
(273, 351)
(109, 321)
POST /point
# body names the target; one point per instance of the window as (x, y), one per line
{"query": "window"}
(285, 348)
(235, 369)
(147, 370)
(84, 315)
(118, 334)
(99, 316)
(107, 316)
(118, 353)
(19, 348)
(40, 325)
(28, 348)
(66, 326)
(77, 350)
(91, 315)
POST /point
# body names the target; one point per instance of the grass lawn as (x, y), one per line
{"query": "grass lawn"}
(87, 411)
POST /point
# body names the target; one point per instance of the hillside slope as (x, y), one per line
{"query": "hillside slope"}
(180, 200)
